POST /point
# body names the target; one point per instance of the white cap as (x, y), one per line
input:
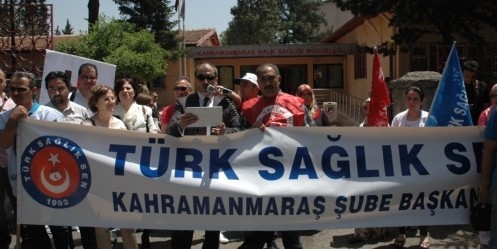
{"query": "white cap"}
(250, 77)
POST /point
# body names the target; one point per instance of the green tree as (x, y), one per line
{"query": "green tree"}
(274, 21)
(93, 12)
(254, 22)
(152, 15)
(300, 21)
(413, 19)
(6, 21)
(24, 18)
(68, 30)
(57, 31)
(134, 53)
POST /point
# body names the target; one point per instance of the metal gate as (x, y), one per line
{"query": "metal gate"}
(26, 31)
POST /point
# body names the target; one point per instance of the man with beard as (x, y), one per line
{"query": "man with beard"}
(58, 87)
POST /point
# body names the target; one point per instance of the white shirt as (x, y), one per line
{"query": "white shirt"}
(137, 118)
(400, 120)
(74, 113)
(80, 100)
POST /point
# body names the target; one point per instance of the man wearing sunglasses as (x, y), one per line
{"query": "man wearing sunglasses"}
(22, 91)
(205, 76)
(182, 88)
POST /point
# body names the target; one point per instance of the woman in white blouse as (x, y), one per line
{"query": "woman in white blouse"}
(414, 116)
(136, 117)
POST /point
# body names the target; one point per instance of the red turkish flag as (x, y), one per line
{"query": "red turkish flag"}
(380, 98)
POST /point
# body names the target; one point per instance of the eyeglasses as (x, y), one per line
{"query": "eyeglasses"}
(180, 88)
(267, 78)
(84, 77)
(202, 77)
(19, 89)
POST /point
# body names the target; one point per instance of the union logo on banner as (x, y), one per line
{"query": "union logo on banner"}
(55, 172)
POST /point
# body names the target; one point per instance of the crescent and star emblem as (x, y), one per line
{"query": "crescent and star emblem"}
(55, 176)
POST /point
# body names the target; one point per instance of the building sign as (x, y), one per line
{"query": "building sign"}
(275, 50)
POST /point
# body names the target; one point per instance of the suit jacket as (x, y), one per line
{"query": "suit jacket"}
(231, 118)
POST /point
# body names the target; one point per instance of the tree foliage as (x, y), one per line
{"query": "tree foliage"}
(274, 21)
(152, 15)
(254, 22)
(300, 21)
(24, 18)
(68, 29)
(93, 12)
(135, 53)
(413, 19)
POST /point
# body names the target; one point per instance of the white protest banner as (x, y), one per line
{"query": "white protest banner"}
(292, 178)
(57, 61)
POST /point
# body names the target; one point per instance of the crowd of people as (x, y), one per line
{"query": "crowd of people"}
(125, 106)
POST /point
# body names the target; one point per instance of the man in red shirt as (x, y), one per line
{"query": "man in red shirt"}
(182, 88)
(274, 108)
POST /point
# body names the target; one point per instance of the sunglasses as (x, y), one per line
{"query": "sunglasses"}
(202, 77)
(180, 88)
(19, 89)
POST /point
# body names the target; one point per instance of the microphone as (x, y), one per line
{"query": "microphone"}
(212, 89)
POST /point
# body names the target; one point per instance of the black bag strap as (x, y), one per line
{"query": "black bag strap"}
(146, 118)
(73, 95)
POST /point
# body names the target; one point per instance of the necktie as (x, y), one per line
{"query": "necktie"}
(207, 100)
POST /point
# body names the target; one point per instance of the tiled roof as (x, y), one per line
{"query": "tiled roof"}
(40, 42)
(198, 37)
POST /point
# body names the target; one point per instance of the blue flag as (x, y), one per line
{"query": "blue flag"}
(450, 105)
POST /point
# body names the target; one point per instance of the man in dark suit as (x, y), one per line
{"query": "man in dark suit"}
(205, 76)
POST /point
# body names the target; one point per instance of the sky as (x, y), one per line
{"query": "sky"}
(199, 13)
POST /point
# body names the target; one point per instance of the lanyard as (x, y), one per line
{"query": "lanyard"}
(34, 108)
